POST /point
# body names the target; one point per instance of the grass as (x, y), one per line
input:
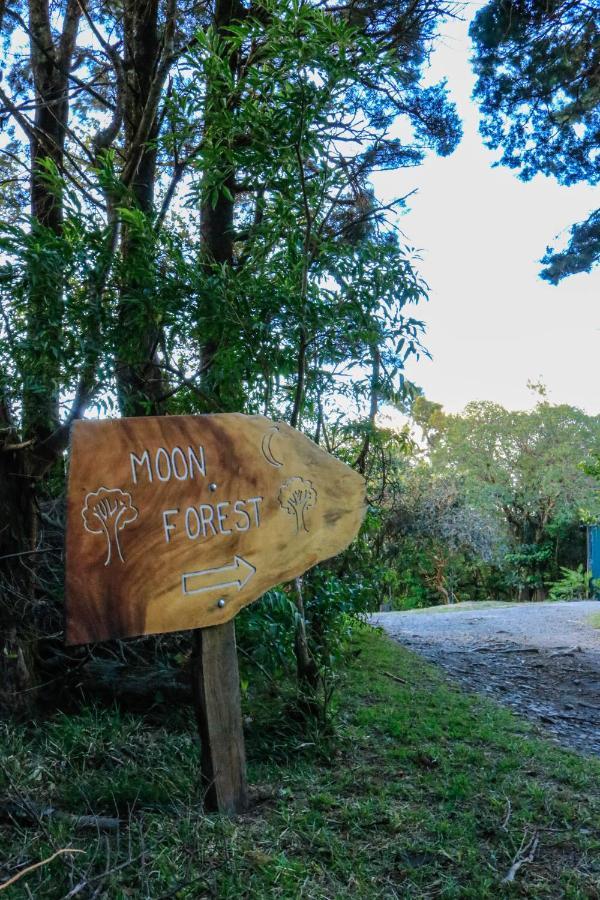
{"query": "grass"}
(466, 605)
(420, 792)
(461, 607)
(594, 620)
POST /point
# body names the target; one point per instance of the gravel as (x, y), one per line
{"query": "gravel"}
(540, 659)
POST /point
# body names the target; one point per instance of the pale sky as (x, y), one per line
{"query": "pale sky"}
(492, 323)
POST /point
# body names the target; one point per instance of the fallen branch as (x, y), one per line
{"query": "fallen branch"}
(32, 813)
(395, 678)
(525, 854)
(37, 865)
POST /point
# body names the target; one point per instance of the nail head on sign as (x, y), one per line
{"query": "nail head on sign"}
(212, 486)
(221, 603)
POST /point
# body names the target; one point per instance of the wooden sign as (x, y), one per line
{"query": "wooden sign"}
(178, 522)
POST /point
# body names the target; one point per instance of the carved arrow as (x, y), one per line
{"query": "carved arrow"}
(236, 574)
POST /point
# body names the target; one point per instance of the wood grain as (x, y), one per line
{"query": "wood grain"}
(178, 522)
(216, 687)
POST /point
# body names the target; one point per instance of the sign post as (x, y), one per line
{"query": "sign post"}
(216, 691)
(178, 522)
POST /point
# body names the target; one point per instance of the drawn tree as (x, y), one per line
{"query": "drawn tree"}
(296, 496)
(107, 511)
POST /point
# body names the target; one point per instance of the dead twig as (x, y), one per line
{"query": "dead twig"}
(82, 885)
(395, 678)
(37, 865)
(525, 854)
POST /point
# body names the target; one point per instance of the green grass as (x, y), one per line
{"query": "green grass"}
(421, 791)
(460, 607)
(594, 620)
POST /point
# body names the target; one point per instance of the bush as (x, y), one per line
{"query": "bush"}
(574, 583)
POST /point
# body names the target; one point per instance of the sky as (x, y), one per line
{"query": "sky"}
(492, 323)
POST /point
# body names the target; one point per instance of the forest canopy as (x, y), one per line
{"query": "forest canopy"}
(187, 225)
(538, 74)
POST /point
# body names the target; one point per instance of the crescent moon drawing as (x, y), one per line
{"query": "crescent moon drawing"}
(266, 447)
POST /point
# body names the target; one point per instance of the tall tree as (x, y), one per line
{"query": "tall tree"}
(525, 467)
(51, 54)
(204, 236)
(538, 84)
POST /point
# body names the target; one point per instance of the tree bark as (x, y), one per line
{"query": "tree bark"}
(50, 64)
(26, 456)
(217, 212)
(361, 462)
(139, 379)
(306, 667)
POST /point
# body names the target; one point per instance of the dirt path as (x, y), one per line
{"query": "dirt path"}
(541, 659)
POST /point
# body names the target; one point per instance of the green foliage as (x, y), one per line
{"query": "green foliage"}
(333, 602)
(581, 254)
(493, 507)
(525, 468)
(536, 65)
(435, 537)
(572, 585)
(236, 257)
(265, 633)
(591, 466)
(317, 277)
(526, 566)
(257, 117)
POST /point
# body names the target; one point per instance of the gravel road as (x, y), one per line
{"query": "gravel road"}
(541, 659)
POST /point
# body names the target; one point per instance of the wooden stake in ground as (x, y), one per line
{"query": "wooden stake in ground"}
(216, 689)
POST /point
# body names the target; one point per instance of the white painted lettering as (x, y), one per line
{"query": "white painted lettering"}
(238, 507)
(191, 513)
(168, 526)
(180, 472)
(139, 461)
(161, 453)
(255, 503)
(222, 517)
(197, 461)
(206, 517)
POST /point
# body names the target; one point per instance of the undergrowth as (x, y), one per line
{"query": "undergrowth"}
(416, 791)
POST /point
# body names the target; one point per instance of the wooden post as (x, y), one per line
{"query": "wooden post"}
(216, 689)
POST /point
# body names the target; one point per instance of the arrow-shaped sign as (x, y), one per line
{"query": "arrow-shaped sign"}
(212, 512)
(238, 573)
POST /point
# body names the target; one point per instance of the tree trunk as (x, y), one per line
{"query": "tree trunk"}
(25, 457)
(50, 64)
(217, 214)
(361, 462)
(306, 667)
(139, 380)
